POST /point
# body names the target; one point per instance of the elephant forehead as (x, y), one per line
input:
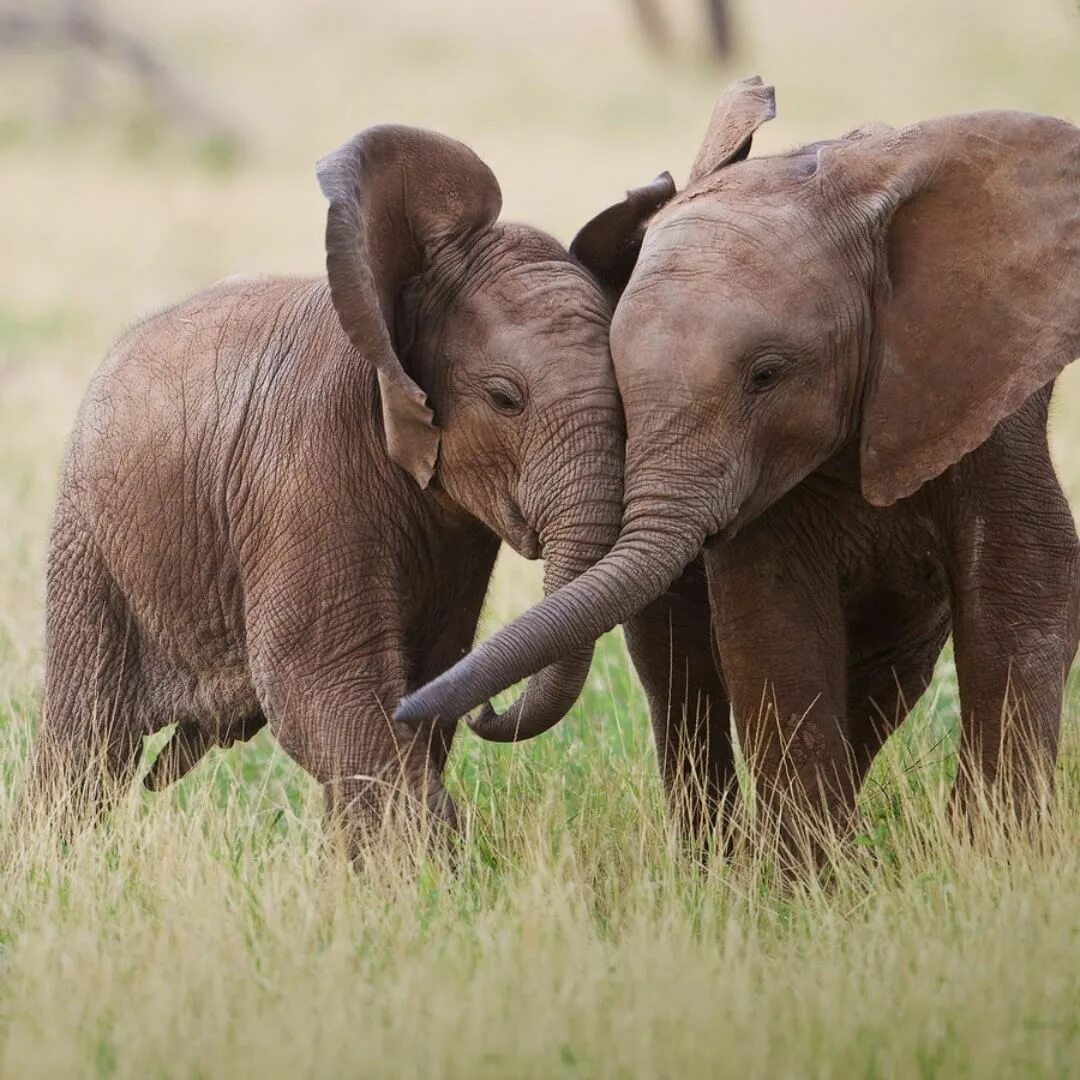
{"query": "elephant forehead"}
(731, 276)
(535, 287)
(539, 308)
(673, 330)
(763, 243)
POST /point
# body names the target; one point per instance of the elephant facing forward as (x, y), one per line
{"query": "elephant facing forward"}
(835, 367)
(283, 498)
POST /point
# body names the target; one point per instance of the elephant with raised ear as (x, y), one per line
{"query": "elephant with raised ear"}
(283, 498)
(835, 367)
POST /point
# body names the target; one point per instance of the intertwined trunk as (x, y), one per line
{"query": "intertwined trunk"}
(657, 541)
(577, 528)
(550, 693)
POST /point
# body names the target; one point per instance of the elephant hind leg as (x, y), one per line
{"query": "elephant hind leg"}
(87, 746)
(1016, 636)
(83, 757)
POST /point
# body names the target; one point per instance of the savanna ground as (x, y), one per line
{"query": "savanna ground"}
(208, 931)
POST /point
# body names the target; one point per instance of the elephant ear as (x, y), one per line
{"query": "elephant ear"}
(608, 245)
(977, 223)
(743, 107)
(396, 194)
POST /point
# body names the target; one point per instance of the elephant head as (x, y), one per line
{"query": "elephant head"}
(490, 344)
(897, 291)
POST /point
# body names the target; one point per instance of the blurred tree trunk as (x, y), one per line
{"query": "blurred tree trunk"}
(84, 31)
(655, 28)
(719, 13)
(652, 24)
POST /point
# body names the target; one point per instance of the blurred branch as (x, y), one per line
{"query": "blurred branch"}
(80, 25)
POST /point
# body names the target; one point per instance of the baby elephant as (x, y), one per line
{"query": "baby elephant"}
(835, 366)
(283, 498)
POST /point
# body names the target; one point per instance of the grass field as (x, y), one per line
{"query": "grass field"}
(209, 931)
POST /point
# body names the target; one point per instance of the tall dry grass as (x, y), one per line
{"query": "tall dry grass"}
(210, 931)
(213, 931)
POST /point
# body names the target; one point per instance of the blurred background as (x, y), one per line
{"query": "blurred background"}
(149, 148)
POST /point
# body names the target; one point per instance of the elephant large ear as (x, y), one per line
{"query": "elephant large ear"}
(608, 245)
(977, 221)
(743, 107)
(395, 194)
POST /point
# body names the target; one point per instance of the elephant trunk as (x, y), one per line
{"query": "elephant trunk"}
(549, 694)
(577, 530)
(656, 543)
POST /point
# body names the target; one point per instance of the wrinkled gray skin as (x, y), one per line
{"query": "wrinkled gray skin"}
(262, 521)
(835, 367)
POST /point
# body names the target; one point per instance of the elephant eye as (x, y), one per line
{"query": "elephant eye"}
(766, 373)
(505, 396)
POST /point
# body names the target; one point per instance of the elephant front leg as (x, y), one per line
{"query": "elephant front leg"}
(1016, 580)
(344, 736)
(330, 709)
(670, 643)
(780, 634)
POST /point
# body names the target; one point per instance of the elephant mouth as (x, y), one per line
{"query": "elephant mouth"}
(519, 534)
(529, 545)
